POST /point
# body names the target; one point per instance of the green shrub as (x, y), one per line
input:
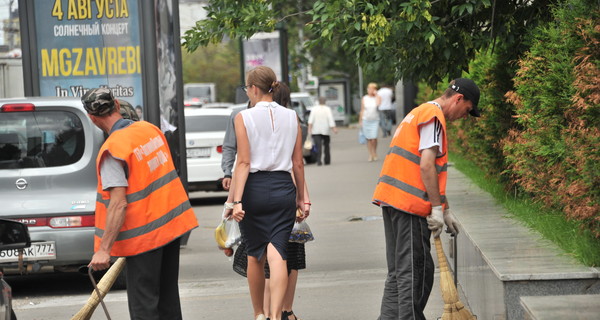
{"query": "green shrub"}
(552, 152)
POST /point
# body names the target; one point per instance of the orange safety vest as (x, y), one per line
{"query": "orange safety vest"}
(400, 184)
(158, 209)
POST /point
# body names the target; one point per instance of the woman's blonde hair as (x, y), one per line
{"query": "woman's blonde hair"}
(372, 84)
(264, 78)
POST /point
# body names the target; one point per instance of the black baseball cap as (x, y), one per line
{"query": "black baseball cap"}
(469, 89)
(98, 101)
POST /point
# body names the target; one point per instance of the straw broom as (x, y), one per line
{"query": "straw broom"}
(85, 313)
(454, 309)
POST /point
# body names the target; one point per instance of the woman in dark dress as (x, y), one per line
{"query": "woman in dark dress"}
(269, 145)
(296, 251)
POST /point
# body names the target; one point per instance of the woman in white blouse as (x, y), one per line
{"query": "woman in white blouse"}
(265, 198)
(368, 119)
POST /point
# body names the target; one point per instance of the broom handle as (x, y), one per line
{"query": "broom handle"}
(455, 236)
(98, 293)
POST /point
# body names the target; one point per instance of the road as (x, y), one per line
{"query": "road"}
(345, 264)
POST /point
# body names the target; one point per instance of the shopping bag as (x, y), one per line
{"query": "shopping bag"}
(227, 234)
(308, 143)
(234, 235)
(361, 137)
(301, 233)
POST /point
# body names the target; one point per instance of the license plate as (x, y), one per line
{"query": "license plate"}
(198, 152)
(38, 251)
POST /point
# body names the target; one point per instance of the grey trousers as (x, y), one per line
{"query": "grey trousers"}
(410, 266)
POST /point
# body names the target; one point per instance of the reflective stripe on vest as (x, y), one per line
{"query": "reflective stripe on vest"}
(158, 209)
(400, 184)
(414, 158)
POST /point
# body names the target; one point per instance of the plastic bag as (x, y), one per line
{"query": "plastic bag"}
(234, 235)
(227, 234)
(361, 137)
(308, 143)
(301, 233)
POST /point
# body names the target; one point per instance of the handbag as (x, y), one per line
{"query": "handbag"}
(361, 137)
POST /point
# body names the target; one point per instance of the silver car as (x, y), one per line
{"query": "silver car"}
(48, 149)
(205, 129)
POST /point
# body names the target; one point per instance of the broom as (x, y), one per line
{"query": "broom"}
(454, 309)
(85, 313)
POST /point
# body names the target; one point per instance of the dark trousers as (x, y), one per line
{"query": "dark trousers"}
(386, 121)
(410, 266)
(152, 289)
(322, 142)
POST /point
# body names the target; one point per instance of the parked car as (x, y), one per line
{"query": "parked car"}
(48, 149)
(306, 99)
(205, 130)
(14, 237)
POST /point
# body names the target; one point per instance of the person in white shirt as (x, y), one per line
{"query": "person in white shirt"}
(386, 110)
(320, 124)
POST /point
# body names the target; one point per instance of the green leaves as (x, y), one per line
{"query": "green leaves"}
(420, 39)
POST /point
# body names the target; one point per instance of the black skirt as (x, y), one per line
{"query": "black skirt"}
(269, 202)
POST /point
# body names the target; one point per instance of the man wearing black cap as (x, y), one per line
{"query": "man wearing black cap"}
(142, 209)
(411, 192)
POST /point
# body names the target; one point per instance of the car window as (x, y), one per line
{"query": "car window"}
(206, 123)
(40, 139)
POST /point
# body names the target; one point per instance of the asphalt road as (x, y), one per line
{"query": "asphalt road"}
(345, 264)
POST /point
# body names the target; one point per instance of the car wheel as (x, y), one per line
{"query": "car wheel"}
(13, 316)
(312, 158)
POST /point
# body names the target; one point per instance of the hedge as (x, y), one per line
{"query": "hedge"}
(540, 127)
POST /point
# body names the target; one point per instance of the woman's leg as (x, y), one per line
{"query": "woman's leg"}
(375, 149)
(267, 299)
(256, 283)
(278, 281)
(288, 300)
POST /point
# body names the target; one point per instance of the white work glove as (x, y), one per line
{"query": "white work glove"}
(450, 222)
(435, 221)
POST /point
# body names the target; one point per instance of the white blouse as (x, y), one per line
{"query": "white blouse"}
(272, 131)
(370, 113)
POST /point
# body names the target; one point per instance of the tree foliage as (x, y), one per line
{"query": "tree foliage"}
(417, 39)
(218, 63)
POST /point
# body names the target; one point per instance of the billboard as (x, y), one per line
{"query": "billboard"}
(265, 49)
(337, 95)
(87, 44)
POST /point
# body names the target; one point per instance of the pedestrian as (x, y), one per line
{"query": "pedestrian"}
(320, 123)
(386, 110)
(269, 146)
(296, 251)
(229, 150)
(142, 209)
(411, 192)
(368, 119)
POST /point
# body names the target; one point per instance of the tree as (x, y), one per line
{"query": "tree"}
(214, 63)
(417, 39)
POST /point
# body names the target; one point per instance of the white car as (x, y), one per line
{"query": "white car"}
(205, 130)
(305, 98)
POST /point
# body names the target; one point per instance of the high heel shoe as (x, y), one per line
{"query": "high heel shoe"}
(285, 315)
